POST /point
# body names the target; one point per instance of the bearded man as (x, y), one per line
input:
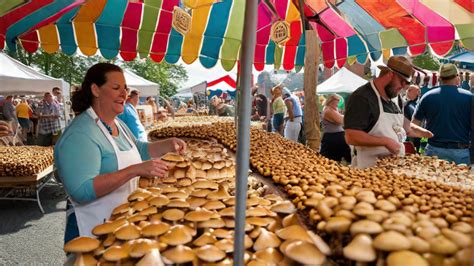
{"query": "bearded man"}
(374, 122)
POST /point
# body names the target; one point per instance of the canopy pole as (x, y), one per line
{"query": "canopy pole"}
(243, 129)
(311, 102)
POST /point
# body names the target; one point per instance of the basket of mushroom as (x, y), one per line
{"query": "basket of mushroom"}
(24, 160)
(195, 225)
(430, 168)
(424, 220)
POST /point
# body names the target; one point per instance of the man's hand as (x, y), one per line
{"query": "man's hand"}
(426, 134)
(392, 145)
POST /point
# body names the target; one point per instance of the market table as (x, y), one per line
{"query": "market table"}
(8, 185)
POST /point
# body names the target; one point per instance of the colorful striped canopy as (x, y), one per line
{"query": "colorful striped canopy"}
(349, 30)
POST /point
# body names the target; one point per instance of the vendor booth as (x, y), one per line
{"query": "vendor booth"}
(146, 87)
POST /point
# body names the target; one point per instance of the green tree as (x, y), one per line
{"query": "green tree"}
(168, 76)
(58, 65)
(426, 61)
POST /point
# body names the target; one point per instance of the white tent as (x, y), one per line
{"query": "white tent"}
(17, 78)
(344, 81)
(146, 87)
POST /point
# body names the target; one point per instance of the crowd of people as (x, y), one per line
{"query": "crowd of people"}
(33, 121)
(389, 115)
(108, 137)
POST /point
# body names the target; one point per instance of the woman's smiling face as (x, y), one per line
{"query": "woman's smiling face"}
(113, 93)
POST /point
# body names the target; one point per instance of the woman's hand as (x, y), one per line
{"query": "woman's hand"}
(5, 129)
(151, 168)
(177, 145)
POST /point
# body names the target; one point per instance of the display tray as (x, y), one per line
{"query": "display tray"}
(16, 181)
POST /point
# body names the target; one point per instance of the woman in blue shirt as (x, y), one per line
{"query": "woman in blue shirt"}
(97, 157)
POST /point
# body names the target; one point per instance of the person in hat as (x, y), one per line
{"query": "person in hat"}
(447, 112)
(293, 116)
(374, 123)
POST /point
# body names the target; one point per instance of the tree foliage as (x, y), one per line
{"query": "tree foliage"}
(168, 76)
(73, 68)
(426, 61)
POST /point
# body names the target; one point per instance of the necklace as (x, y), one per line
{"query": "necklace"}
(109, 128)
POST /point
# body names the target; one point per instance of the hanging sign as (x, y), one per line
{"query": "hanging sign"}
(181, 20)
(280, 32)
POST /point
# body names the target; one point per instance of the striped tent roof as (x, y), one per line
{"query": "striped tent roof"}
(349, 30)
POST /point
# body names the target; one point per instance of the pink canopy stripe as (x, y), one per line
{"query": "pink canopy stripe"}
(163, 29)
(130, 25)
(390, 14)
(439, 32)
(327, 44)
(264, 25)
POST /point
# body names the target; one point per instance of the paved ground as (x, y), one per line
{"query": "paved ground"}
(28, 237)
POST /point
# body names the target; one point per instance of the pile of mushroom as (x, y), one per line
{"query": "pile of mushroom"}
(24, 160)
(430, 168)
(426, 212)
(195, 224)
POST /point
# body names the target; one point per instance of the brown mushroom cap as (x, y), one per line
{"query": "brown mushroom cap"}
(115, 253)
(405, 258)
(139, 194)
(172, 157)
(293, 232)
(210, 253)
(179, 254)
(360, 249)
(177, 195)
(260, 221)
(337, 224)
(177, 235)
(212, 223)
(155, 229)
(178, 203)
(283, 207)
(269, 256)
(81, 244)
(142, 246)
(222, 233)
(442, 245)
(198, 215)
(127, 232)
(305, 253)
(319, 243)
(122, 208)
(226, 245)
(159, 201)
(419, 245)
(265, 240)
(220, 194)
(173, 214)
(148, 211)
(108, 227)
(204, 184)
(391, 241)
(461, 240)
(290, 219)
(214, 205)
(195, 202)
(365, 227)
(205, 239)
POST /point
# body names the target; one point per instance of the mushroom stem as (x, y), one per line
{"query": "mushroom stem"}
(360, 263)
(380, 260)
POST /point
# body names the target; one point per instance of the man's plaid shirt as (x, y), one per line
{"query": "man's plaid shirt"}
(48, 125)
